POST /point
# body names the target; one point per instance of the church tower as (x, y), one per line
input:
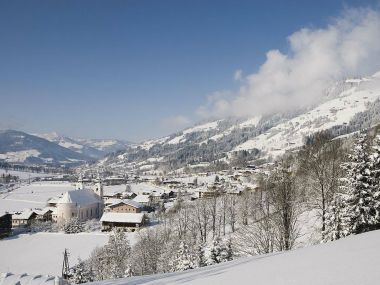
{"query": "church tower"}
(98, 187)
(79, 185)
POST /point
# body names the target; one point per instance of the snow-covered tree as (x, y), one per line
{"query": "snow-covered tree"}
(81, 273)
(185, 259)
(73, 226)
(357, 208)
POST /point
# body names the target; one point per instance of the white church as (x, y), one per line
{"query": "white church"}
(82, 203)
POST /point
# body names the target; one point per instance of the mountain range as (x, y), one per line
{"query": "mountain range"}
(346, 107)
(53, 149)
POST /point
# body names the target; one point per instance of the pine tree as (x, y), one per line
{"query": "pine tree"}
(185, 259)
(356, 209)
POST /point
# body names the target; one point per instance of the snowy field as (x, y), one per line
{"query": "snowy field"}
(350, 261)
(34, 195)
(42, 253)
(24, 174)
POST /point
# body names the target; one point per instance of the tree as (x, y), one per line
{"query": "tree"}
(118, 252)
(357, 208)
(81, 273)
(185, 260)
(284, 200)
(73, 226)
(320, 168)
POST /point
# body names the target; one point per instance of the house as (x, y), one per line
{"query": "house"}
(144, 200)
(23, 219)
(125, 221)
(125, 206)
(111, 201)
(5, 225)
(45, 215)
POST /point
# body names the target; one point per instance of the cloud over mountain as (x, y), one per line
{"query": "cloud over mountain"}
(348, 46)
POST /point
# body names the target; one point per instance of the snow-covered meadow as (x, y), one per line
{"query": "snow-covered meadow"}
(42, 253)
(34, 195)
(349, 261)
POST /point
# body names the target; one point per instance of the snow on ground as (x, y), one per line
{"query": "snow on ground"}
(350, 261)
(42, 253)
(34, 195)
(24, 174)
(19, 156)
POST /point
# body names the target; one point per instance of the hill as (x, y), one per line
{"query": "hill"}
(350, 261)
(20, 147)
(93, 148)
(346, 107)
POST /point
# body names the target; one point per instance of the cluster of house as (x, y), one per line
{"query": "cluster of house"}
(84, 204)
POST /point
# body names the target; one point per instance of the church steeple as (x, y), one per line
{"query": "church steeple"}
(80, 184)
(98, 187)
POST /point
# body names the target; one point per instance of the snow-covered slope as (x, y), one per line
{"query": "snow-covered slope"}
(335, 112)
(341, 109)
(20, 147)
(94, 148)
(350, 261)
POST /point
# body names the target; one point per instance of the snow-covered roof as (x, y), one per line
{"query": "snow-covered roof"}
(80, 197)
(127, 202)
(25, 279)
(142, 199)
(44, 210)
(25, 215)
(112, 201)
(135, 218)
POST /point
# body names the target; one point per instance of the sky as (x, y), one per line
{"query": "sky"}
(138, 69)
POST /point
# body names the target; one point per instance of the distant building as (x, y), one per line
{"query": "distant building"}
(83, 204)
(125, 221)
(5, 225)
(125, 206)
(23, 219)
(144, 200)
(45, 214)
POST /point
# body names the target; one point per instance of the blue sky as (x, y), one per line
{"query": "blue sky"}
(126, 69)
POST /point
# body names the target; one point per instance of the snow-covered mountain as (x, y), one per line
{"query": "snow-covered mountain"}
(93, 148)
(347, 106)
(20, 147)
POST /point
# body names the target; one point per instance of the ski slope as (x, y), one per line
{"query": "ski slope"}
(350, 261)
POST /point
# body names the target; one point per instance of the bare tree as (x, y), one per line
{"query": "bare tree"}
(320, 161)
(284, 199)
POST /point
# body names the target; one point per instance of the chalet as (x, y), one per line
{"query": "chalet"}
(125, 206)
(52, 202)
(144, 200)
(125, 221)
(23, 219)
(111, 201)
(45, 214)
(156, 197)
(5, 225)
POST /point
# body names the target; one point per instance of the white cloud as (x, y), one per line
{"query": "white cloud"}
(349, 46)
(238, 75)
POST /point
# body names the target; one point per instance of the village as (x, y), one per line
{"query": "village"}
(117, 202)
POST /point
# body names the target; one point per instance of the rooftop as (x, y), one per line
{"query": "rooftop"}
(135, 218)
